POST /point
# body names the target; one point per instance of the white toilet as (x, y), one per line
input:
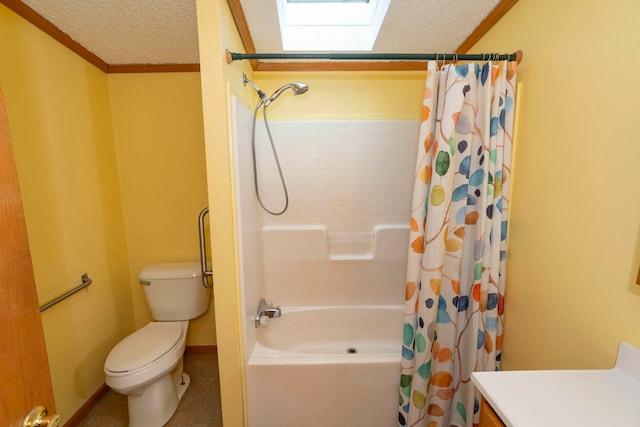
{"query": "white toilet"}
(146, 366)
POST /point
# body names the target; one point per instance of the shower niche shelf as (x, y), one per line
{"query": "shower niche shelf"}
(314, 243)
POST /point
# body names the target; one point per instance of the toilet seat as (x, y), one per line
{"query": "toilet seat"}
(144, 346)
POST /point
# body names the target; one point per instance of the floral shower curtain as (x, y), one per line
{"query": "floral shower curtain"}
(456, 266)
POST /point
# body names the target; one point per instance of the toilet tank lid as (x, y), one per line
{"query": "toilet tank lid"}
(173, 270)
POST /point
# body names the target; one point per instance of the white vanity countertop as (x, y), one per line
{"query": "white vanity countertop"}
(567, 398)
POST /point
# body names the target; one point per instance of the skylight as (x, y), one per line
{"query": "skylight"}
(330, 25)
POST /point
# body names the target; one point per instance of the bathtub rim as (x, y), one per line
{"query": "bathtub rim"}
(262, 355)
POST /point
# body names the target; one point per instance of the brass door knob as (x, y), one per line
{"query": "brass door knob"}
(38, 417)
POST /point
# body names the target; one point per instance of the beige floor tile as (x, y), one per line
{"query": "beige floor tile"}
(199, 407)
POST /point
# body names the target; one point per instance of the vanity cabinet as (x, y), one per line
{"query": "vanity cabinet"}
(488, 417)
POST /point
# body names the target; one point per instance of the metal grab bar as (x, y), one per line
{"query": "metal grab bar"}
(86, 281)
(203, 251)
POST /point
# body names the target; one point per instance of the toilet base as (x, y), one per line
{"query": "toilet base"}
(183, 385)
(158, 403)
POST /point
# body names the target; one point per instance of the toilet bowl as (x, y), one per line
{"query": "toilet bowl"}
(147, 366)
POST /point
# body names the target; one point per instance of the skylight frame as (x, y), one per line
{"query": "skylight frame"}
(330, 26)
(327, 1)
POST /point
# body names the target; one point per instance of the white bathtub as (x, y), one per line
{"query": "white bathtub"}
(326, 366)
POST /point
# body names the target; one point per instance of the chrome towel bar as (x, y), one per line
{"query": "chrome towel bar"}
(203, 251)
(86, 281)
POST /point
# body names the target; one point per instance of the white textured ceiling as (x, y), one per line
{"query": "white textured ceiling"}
(128, 31)
(165, 31)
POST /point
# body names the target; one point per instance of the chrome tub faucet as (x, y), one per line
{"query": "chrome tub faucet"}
(266, 310)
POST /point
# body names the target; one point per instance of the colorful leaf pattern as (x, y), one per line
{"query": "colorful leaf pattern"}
(457, 250)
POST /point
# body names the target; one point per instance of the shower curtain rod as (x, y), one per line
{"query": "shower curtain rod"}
(516, 56)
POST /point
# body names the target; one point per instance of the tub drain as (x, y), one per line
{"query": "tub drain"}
(352, 350)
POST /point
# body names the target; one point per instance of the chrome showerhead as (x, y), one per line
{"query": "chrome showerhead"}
(245, 81)
(298, 89)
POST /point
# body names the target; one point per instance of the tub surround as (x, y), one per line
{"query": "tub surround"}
(344, 238)
(335, 263)
(307, 265)
(349, 175)
(567, 397)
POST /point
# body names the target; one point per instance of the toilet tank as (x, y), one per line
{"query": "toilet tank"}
(175, 291)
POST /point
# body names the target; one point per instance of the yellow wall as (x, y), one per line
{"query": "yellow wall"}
(157, 122)
(574, 246)
(216, 32)
(357, 95)
(60, 121)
